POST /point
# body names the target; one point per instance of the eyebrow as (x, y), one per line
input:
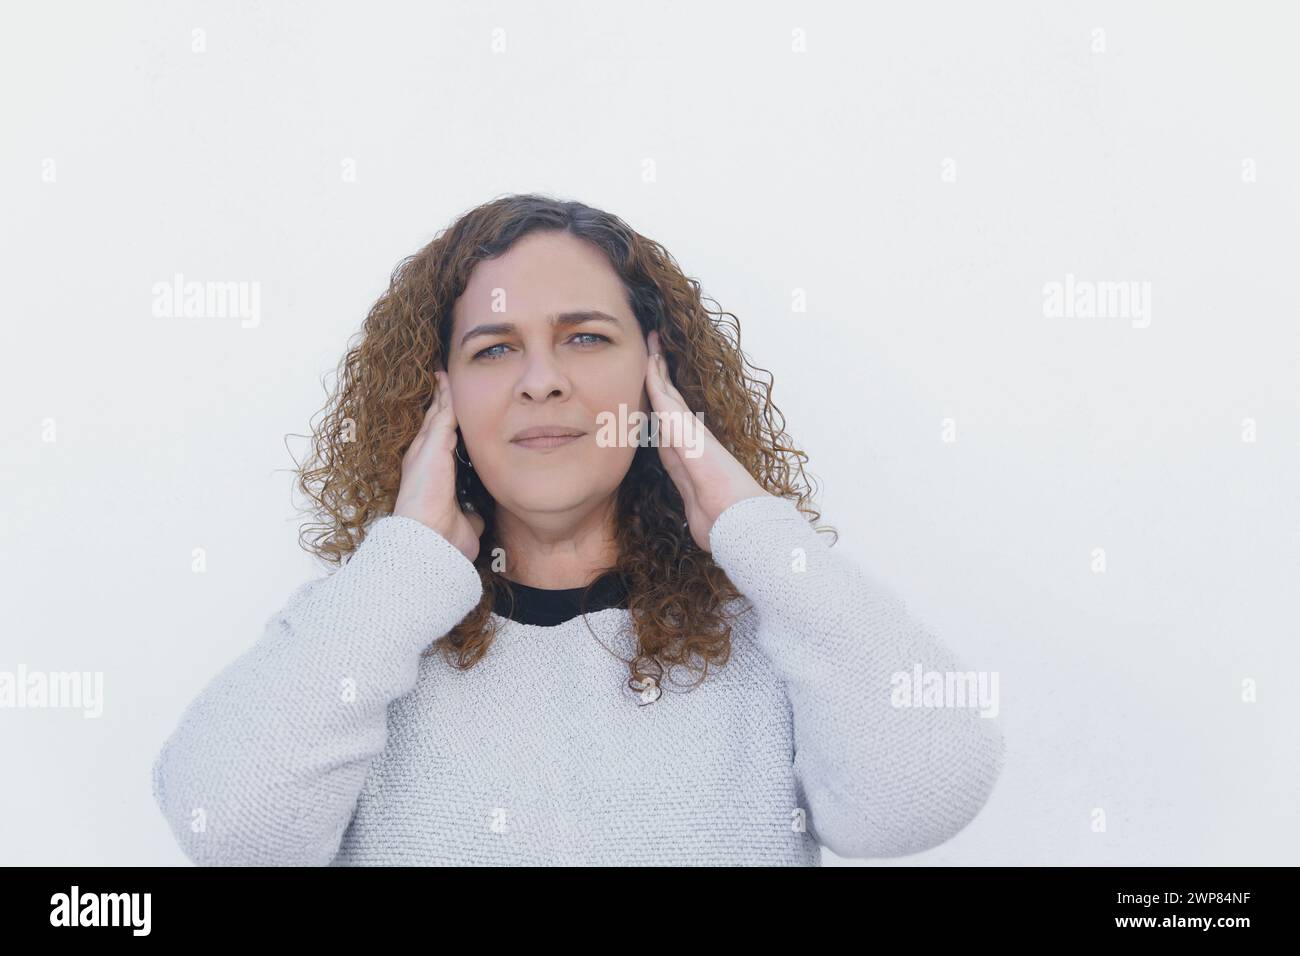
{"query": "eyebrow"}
(558, 320)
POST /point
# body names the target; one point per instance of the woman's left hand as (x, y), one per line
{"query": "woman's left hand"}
(708, 477)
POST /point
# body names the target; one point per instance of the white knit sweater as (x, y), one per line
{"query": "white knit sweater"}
(332, 741)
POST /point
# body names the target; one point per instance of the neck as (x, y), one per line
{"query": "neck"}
(558, 550)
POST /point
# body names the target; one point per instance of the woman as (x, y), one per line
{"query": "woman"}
(493, 674)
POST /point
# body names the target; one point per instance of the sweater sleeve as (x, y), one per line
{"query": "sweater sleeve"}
(880, 779)
(268, 761)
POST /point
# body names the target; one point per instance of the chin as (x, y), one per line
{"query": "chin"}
(535, 503)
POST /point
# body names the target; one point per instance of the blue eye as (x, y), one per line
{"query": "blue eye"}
(490, 356)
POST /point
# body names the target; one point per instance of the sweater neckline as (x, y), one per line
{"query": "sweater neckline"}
(553, 607)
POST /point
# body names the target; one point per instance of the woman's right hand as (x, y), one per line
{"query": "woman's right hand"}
(428, 488)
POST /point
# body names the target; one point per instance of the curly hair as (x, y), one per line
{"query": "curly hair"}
(679, 600)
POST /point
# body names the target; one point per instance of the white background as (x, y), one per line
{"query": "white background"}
(776, 171)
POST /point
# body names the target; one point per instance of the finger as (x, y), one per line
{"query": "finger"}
(664, 384)
(422, 433)
(435, 406)
(653, 390)
(667, 380)
(444, 421)
(657, 387)
(676, 469)
(434, 426)
(676, 429)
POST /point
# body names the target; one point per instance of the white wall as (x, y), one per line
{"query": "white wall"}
(777, 171)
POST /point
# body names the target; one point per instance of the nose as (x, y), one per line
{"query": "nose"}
(541, 378)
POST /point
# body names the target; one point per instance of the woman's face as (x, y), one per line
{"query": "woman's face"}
(511, 369)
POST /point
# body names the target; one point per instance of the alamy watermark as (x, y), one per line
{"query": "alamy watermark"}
(1086, 299)
(75, 908)
(53, 689)
(922, 688)
(179, 299)
(670, 429)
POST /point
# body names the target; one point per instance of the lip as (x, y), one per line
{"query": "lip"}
(547, 436)
(546, 441)
(549, 432)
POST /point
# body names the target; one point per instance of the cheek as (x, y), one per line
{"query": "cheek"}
(624, 385)
(475, 414)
